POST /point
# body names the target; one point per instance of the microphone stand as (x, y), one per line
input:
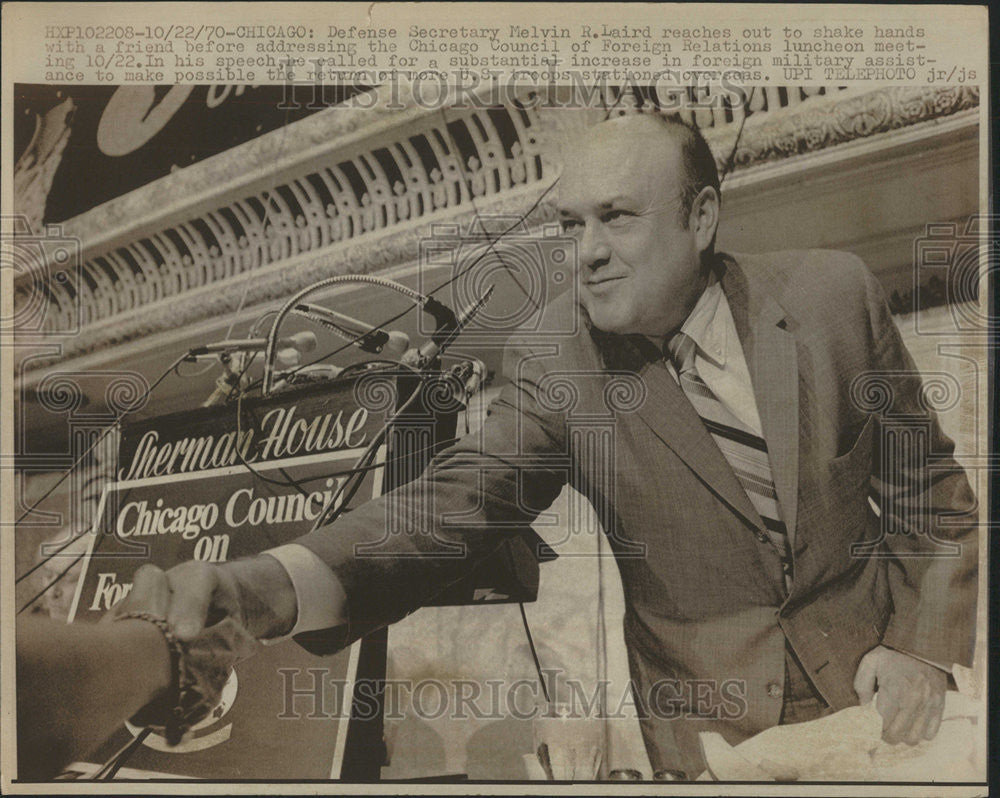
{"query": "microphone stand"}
(228, 381)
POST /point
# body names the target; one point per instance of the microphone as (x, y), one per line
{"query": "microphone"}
(375, 340)
(446, 332)
(471, 374)
(301, 342)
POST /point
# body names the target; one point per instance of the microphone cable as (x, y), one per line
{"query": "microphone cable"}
(135, 405)
(534, 653)
(396, 317)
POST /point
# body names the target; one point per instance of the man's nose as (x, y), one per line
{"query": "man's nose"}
(594, 248)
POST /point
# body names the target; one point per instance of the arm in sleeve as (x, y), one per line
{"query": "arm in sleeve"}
(319, 596)
(928, 511)
(396, 552)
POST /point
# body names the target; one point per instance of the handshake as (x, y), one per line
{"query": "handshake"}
(211, 617)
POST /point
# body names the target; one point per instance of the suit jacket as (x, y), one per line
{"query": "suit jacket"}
(707, 615)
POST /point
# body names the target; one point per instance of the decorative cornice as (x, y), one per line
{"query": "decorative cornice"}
(826, 121)
(392, 248)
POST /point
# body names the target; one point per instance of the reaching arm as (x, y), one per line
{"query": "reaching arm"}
(397, 552)
(76, 684)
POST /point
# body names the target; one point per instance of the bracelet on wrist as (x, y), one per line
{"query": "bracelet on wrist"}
(171, 710)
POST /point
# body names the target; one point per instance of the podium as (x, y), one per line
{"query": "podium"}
(220, 483)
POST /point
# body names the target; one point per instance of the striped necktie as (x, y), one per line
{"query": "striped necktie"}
(744, 449)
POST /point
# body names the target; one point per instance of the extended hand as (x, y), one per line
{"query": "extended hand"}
(910, 694)
(256, 593)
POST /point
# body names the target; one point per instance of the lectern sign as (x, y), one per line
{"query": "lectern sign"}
(209, 486)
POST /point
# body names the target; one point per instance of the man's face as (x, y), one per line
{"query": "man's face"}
(620, 198)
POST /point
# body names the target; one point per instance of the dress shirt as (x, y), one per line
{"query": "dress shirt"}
(318, 593)
(719, 357)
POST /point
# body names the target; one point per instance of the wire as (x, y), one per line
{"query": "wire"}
(441, 287)
(289, 481)
(52, 584)
(115, 762)
(534, 654)
(107, 431)
(286, 308)
(491, 245)
(56, 553)
(369, 452)
(601, 638)
(728, 165)
(263, 223)
(349, 494)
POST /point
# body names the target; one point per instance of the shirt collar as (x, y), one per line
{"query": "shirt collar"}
(706, 324)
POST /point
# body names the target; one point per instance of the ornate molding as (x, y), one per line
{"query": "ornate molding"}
(282, 278)
(822, 122)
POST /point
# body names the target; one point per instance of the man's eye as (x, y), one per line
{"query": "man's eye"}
(569, 224)
(614, 215)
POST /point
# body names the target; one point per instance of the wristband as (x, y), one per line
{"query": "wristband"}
(173, 711)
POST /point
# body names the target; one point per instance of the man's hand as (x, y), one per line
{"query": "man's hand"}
(910, 694)
(256, 593)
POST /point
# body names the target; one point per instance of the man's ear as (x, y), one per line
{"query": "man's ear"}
(704, 218)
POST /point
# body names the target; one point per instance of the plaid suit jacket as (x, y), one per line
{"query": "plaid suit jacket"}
(863, 473)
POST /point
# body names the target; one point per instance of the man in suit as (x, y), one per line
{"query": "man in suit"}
(778, 561)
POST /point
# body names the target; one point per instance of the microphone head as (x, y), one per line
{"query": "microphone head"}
(397, 344)
(304, 341)
(288, 357)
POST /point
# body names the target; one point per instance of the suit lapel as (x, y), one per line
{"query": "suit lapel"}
(769, 349)
(669, 414)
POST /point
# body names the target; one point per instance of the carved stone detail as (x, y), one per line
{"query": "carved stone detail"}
(821, 122)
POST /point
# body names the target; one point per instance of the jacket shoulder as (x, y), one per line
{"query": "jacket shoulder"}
(831, 298)
(822, 270)
(817, 282)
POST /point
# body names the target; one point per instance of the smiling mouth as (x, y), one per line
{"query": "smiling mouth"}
(603, 281)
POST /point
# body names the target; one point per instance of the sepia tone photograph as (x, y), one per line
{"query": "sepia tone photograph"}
(484, 431)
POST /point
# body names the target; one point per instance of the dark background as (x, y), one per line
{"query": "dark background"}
(194, 132)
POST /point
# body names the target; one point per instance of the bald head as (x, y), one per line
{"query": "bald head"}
(634, 200)
(662, 147)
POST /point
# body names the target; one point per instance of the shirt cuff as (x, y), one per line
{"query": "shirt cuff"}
(319, 595)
